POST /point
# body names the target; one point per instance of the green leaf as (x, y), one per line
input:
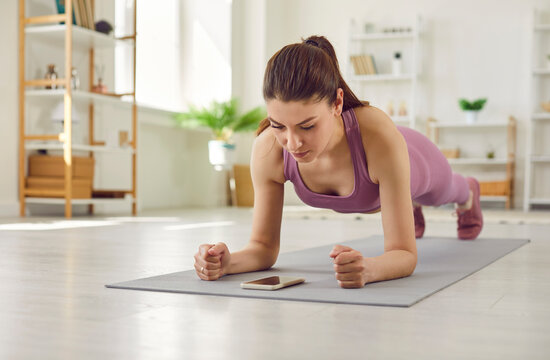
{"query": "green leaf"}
(221, 117)
(475, 105)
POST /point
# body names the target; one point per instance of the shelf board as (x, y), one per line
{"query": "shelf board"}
(477, 161)
(460, 125)
(541, 116)
(80, 95)
(401, 119)
(541, 72)
(79, 147)
(539, 201)
(493, 198)
(405, 35)
(540, 158)
(61, 201)
(82, 38)
(383, 77)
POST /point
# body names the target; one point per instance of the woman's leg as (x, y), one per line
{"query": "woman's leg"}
(434, 183)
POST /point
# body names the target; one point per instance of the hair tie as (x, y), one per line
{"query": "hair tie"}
(312, 42)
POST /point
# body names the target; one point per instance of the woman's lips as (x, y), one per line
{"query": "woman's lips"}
(300, 154)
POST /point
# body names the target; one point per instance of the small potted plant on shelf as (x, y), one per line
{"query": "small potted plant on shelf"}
(471, 108)
(223, 120)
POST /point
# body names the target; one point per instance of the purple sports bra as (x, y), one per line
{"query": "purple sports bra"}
(365, 196)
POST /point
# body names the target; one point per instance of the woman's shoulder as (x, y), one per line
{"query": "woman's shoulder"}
(374, 123)
(267, 156)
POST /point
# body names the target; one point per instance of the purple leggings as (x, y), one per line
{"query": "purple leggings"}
(432, 179)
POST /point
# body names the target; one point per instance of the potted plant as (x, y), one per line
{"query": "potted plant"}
(223, 120)
(471, 108)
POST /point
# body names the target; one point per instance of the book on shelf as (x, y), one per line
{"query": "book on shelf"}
(363, 64)
(374, 68)
(90, 14)
(82, 13)
(61, 10)
(357, 65)
(79, 4)
(77, 15)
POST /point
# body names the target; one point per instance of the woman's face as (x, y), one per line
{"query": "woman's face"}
(304, 129)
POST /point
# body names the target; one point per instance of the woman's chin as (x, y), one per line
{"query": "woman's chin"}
(303, 157)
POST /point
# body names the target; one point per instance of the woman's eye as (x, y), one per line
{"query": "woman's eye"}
(308, 127)
(276, 127)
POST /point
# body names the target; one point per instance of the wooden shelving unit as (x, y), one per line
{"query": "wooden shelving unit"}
(500, 190)
(46, 29)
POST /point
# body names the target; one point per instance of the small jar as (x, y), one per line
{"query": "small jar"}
(396, 64)
(51, 75)
(75, 80)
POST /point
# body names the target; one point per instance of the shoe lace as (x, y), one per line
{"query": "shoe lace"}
(465, 217)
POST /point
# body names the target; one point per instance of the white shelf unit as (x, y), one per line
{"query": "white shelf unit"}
(388, 42)
(497, 191)
(537, 152)
(73, 41)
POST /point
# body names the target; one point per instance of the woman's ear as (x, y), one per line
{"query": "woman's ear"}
(339, 103)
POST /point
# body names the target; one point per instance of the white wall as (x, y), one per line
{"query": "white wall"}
(8, 107)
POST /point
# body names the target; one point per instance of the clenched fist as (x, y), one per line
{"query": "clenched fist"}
(212, 261)
(349, 266)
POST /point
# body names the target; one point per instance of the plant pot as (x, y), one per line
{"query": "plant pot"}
(221, 154)
(471, 116)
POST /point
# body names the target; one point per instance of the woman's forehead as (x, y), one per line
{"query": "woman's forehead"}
(294, 110)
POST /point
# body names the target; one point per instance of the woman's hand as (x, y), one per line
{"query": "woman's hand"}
(212, 261)
(350, 267)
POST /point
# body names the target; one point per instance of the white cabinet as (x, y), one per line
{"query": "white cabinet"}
(483, 150)
(537, 161)
(383, 68)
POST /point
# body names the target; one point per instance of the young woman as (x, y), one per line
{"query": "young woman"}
(342, 154)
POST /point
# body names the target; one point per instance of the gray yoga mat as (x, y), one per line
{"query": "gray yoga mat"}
(441, 262)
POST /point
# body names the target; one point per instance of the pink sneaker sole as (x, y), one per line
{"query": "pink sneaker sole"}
(470, 222)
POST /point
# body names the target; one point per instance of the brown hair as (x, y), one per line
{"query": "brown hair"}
(306, 71)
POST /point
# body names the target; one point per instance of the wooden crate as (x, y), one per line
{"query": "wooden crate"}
(45, 186)
(495, 188)
(54, 166)
(451, 153)
(244, 191)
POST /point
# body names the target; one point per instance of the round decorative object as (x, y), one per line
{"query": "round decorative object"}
(104, 27)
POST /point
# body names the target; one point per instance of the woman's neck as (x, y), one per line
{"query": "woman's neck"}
(338, 141)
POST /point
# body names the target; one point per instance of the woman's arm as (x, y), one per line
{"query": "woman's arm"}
(268, 179)
(388, 162)
(214, 261)
(389, 165)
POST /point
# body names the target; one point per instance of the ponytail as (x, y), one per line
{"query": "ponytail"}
(306, 71)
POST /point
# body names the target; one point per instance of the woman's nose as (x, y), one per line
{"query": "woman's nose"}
(294, 143)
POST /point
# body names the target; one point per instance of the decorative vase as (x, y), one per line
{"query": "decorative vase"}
(471, 116)
(221, 154)
(51, 75)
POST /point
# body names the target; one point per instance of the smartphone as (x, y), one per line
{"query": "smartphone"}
(272, 283)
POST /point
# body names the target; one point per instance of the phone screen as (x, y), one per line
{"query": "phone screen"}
(272, 280)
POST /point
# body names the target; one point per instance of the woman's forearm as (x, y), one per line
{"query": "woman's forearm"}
(390, 265)
(255, 256)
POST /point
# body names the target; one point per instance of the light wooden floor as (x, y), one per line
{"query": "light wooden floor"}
(54, 305)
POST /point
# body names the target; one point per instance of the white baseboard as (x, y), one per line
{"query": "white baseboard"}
(9, 209)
